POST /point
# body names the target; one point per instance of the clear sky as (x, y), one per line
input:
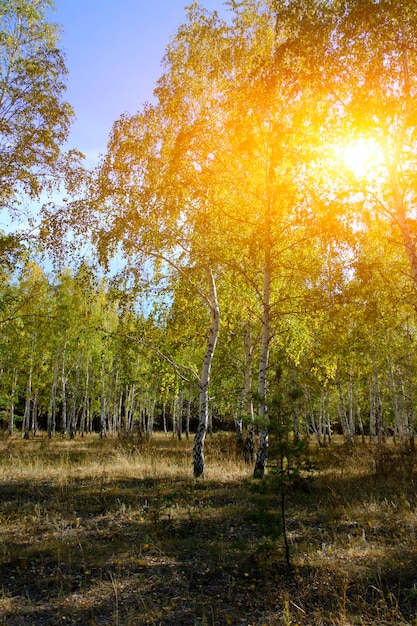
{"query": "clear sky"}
(113, 53)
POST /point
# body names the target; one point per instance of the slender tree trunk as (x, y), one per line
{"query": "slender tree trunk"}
(129, 409)
(198, 447)
(142, 416)
(378, 406)
(73, 413)
(112, 402)
(10, 426)
(358, 414)
(395, 403)
(174, 415)
(372, 414)
(318, 425)
(149, 416)
(180, 409)
(27, 411)
(64, 395)
(351, 422)
(328, 427)
(85, 402)
(52, 402)
(164, 417)
(34, 412)
(239, 426)
(188, 416)
(121, 426)
(344, 416)
(103, 403)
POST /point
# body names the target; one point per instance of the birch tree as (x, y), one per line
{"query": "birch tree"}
(153, 197)
(34, 117)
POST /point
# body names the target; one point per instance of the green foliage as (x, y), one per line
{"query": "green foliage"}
(34, 118)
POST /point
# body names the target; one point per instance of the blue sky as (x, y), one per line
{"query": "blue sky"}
(113, 53)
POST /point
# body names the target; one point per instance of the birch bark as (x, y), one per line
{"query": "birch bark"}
(198, 447)
(10, 426)
(26, 415)
(52, 401)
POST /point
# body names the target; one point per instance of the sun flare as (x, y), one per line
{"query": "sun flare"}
(362, 157)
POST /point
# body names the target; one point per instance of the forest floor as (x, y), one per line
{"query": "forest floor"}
(110, 532)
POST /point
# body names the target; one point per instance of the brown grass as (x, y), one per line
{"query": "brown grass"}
(118, 532)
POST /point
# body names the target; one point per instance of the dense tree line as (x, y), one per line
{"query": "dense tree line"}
(78, 356)
(263, 207)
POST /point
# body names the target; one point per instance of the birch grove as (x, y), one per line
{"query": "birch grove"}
(249, 243)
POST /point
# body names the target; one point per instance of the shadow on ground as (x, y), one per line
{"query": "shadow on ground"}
(184, 552)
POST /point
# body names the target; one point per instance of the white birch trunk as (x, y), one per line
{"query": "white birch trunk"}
(198, 447)
(129, 409)
(64, 395)
(164, 417)
(149, 415)
(239, 425)
(103, 404)
(395, 403)
(344, 416)
(378, 406)
(52, 401)
(26, 414)
(34, 412)
(174, 415)
(188, 416)
(85, 401)
(180, 410)
(10, 426)
(73, 413)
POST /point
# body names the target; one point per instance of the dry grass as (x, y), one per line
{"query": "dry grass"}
(119, 533)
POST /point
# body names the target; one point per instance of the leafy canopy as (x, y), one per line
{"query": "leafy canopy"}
(34, 118)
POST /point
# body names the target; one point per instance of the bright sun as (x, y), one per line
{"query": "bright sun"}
(363, 157)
